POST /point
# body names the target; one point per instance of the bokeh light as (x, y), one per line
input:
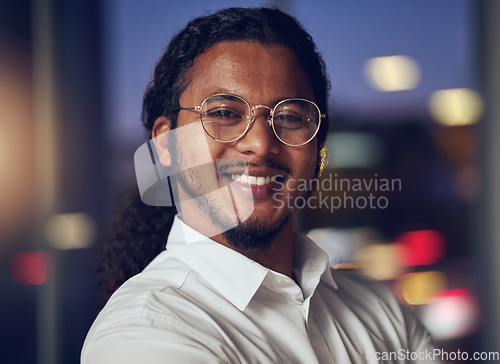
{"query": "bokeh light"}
(379, 261)
(70, 231)
(420, 247)
(353, 150)
(17, 185)
(393, 73)
(418, 288)
(30, 268)
(453, 313)
(455, 107)
(341, 245)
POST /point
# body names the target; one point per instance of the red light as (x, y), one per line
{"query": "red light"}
(420, 247)
(30, 268)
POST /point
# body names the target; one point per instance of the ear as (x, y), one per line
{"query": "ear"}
(160, 139)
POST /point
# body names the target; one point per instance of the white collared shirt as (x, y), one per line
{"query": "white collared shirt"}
(201, 302)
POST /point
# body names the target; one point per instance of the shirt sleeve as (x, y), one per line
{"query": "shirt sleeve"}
(132, 344)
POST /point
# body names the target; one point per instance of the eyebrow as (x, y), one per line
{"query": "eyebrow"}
(223, 96)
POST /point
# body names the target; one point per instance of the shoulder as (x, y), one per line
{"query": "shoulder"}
(132, 300)
(162, 293)
(367, 298)
(151, 316)
(354, 283)
(377, 306)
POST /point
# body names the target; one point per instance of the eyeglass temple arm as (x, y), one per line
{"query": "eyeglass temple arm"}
(197, 108)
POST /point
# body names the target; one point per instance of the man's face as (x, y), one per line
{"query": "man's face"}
(262, 75)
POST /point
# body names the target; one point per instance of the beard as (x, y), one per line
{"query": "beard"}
(254, 236)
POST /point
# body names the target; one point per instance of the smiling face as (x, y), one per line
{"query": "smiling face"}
(262, 75)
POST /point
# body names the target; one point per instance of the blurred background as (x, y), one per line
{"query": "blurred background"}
(413, 109)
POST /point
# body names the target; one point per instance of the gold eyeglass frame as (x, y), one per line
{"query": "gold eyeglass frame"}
(270, 118)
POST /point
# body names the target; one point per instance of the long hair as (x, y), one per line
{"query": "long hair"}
(140, 231)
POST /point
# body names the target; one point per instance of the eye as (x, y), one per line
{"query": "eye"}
(222, 115)
(289, 120)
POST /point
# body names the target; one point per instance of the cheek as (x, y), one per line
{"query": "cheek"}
(194, 148)
(217, 150)
(304, 162)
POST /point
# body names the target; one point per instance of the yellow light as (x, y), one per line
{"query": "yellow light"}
(393, 73)
(70, 231)
(454, 107)
(379, 261)
(419, 288)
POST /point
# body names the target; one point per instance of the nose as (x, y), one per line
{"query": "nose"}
(259, 138)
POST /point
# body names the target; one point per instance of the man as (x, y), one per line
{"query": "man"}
(236, 109)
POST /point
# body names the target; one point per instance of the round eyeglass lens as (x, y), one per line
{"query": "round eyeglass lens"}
(296, 121)
(225, 117)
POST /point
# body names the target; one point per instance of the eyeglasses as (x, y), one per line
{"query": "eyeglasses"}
(227, 118)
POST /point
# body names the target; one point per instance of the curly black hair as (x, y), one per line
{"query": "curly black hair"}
(140, 230)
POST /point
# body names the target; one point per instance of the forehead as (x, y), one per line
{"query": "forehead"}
(249, 69)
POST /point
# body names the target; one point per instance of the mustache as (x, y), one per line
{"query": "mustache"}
(237, 166)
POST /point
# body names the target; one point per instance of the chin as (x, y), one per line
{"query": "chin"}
(255, 235)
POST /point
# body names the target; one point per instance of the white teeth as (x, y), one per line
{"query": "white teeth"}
(253, 180)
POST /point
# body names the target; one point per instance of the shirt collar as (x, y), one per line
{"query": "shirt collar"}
(310, 264)
(237, 277)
